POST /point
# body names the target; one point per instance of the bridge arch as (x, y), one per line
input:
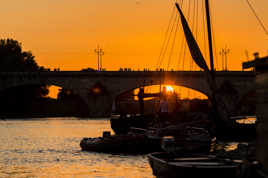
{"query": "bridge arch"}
(199, 86)
(118, 82)
(178, 95)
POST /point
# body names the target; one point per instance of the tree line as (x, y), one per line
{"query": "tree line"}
(32, 100)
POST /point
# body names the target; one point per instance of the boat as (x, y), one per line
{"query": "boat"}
(121, 124)
(121, 144)
(190, 139)
(191, 166)
(180, 165)
(144, 141)
(224, 126)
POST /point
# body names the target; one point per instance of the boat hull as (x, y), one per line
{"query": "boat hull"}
(163, 167)
(122, 125)
(121, 144)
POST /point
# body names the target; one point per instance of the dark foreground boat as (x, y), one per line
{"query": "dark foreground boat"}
(187, 166)
(191, 139)
(236, 130)
(122, 124)
(121, 144)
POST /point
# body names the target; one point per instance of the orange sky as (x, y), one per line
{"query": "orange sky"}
(64, 33)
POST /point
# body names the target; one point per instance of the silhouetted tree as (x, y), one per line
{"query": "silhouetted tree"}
(13, 59)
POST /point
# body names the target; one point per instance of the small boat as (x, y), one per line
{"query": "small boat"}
(190, 166)
(191, 140)
(236, 129)
(122, 124)
(121, 144)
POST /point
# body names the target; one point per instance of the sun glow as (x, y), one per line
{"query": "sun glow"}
(169, 88)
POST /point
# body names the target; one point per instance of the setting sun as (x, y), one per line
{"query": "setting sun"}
(170, 89)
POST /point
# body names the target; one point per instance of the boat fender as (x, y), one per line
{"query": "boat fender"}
(167, 140)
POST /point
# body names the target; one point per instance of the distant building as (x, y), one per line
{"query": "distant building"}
(258, 64)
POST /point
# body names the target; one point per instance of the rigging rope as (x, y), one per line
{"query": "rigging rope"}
(182, 49)
(257, 17)
(181, 53)
(169, 37)
(196, 31)
(168, 40)
(197, 26)
(204, 30)
(193, 29)
(214, 43)
(174, 40)
(185, 47)
(165, 38)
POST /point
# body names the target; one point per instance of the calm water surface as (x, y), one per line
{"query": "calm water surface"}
(50, 148)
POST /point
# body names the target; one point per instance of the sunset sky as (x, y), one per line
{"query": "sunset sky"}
(64, 33)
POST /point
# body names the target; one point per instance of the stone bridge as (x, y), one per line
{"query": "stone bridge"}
(117, 82)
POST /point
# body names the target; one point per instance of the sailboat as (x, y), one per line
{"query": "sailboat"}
(221, 114)
(166, 165)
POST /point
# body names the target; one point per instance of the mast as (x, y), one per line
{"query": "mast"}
(218, 104)
(220, 112)
(209, 37)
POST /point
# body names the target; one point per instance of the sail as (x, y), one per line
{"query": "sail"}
(192, 44)
(217, 99)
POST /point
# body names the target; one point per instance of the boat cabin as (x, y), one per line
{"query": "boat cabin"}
(259, 64)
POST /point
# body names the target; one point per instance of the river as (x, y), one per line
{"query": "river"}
(50, 148)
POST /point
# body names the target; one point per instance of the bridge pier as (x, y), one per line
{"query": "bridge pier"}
(98, 105)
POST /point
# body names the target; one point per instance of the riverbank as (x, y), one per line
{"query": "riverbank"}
(46, 107)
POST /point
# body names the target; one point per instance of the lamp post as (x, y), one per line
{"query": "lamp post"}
(100, 53)
(223, 53)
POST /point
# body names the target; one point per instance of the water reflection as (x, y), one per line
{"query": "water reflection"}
(50, 148)
(247, 120)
